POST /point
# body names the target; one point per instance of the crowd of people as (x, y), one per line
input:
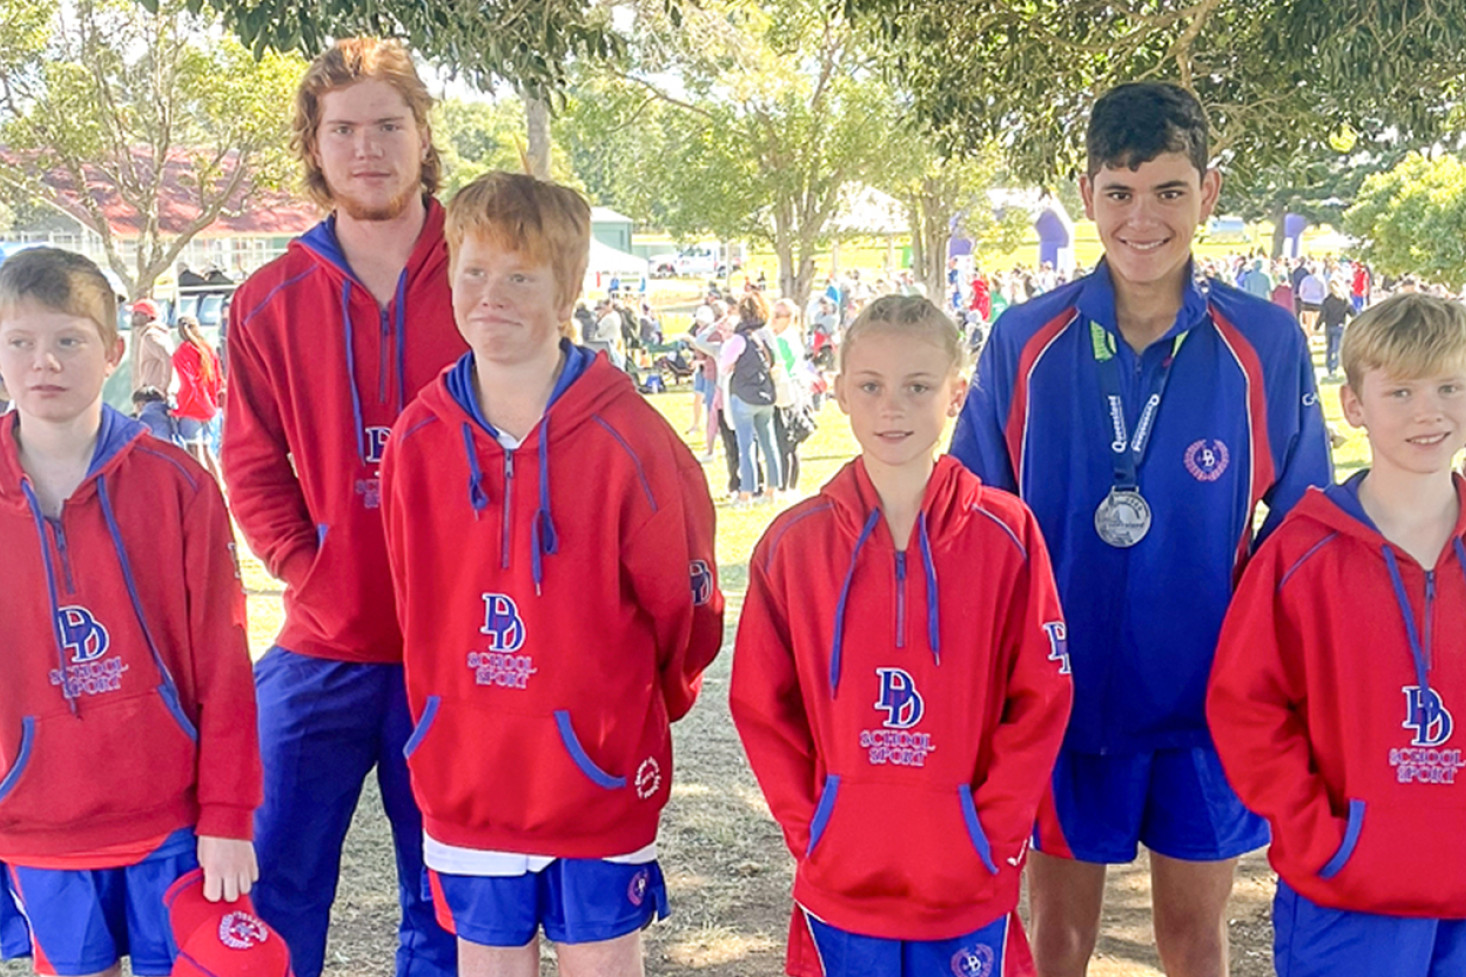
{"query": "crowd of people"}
(1066, 638)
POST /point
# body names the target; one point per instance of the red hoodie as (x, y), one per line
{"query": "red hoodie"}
(1333, 700)
(127, 709)
(559, 603)
(903, 733)
(318, 374)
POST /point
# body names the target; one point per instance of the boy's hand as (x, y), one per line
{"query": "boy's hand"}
(229, 867)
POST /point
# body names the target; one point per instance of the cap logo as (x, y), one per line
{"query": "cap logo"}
(241, 931)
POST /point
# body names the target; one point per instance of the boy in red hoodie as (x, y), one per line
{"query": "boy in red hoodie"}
(903, 740)
(127, 716)
(551, 546)
(1342, 667)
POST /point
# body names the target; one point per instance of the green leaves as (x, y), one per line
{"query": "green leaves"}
(1412, 219)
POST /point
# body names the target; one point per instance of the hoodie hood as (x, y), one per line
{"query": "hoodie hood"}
(114, 438)
(950, 499)
(1339, 509)
(427, 258)
(587, 384)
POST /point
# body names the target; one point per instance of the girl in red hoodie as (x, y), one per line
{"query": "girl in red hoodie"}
(902, 734)
(128, 753)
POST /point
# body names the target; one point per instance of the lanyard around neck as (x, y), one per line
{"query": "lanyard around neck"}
(1127, 453)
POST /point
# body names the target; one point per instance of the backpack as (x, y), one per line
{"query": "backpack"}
(752, 381)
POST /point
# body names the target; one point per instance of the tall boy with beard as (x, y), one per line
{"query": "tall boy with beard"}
(326, 346)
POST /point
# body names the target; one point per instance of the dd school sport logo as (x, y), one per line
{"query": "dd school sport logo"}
(904, 708)
(1424, 762)
(1206, 459)
(702, 582)
(499, 665)
(85, 643)
(240, 931)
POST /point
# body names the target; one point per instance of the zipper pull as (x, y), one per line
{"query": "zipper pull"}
(508, 464)
(901, 565)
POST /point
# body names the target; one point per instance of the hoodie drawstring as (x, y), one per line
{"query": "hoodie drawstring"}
(35, 506)
(544, 540)
(356, 414)
(169, 688)
(477, 497)
(933, 612)
(400, 304)
(838, 644)
(1417, 651)
(544, 537)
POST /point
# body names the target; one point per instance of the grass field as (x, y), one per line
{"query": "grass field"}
(725, 861)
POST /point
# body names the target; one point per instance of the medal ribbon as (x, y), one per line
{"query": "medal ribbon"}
(1127, 453)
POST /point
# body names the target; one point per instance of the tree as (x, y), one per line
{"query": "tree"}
(1412, 219)
(775, 115)
(474, 137)
(100, 98)
(940, 194)
(1280, 79)
(528, 45)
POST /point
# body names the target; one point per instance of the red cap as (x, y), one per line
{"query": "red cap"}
(147, 307)
(221, 939)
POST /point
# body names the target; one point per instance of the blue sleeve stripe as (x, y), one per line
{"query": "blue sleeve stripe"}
(640, 471)
(1305, 557)
(1006, 528)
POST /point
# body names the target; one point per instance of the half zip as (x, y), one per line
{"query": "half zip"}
(382, 366)
(508, 501)
(1429, 614)
(58, 532)
(900, 598)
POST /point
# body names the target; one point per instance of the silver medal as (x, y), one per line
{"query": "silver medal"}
(1123, 518)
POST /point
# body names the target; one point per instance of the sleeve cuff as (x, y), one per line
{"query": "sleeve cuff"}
(225, 821)
(294, 567)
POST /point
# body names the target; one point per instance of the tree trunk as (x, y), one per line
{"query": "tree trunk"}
(1280, 233)
(537, 123)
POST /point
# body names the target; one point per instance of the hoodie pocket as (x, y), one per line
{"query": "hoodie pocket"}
(891, 841)
(110, 760)
(532, 775)
(1351, 841)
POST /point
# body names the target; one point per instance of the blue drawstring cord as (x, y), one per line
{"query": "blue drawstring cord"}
(544, 539)
(40, 519)
(838, 644)
(401, 310)
(477, 497)
(1412, 634)
(933, 612)
(356, 414)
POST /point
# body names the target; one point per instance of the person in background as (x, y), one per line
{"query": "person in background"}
(200, 386)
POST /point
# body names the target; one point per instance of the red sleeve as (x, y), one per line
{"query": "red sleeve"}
(264, 493)
(672, 571)
(394, 525)
(229, 787)
(1036, 701)
(768, 708)
(1255, 708)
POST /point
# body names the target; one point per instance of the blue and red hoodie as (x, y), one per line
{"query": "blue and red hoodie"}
(559, 602)
(1239, 425)
(127, 710)
(318, 374)
(902, 708)
(1340, 674)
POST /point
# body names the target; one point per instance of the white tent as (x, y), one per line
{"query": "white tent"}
(608, 261)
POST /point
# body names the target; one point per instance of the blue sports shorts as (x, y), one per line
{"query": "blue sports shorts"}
(85, 920)
(575, 900)
(1312, 941)
(1175, 802)
(999, 949)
